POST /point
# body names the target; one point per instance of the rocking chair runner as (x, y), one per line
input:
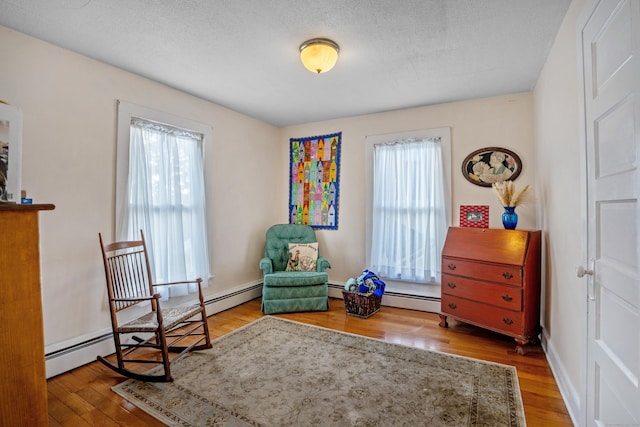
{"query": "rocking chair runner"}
(129, 283)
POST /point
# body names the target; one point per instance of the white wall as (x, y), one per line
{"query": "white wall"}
(559, 150)
(504, 121)
(69, 107)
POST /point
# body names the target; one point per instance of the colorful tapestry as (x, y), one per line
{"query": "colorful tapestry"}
(315, 180)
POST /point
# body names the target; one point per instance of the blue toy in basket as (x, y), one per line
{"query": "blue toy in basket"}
(368, 281)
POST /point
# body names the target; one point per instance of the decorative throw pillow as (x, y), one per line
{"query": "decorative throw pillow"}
(302, 256)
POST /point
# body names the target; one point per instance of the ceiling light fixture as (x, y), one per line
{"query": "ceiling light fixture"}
(319, 55)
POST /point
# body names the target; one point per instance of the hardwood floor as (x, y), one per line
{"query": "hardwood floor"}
(83, 397)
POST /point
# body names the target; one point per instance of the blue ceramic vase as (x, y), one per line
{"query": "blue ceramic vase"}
(509, 217)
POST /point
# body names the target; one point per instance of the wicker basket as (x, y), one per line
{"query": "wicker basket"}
(361, 305)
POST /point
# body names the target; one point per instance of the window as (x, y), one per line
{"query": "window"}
(409, 206)
(160, 190)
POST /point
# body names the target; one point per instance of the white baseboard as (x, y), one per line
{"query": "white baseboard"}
(65, 356)
(392, 299)
(70, 354)
(233, 297)
(569, 393)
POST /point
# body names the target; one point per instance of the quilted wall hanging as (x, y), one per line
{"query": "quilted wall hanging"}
(315, 180)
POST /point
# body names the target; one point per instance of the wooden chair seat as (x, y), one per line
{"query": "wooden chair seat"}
(171, 317)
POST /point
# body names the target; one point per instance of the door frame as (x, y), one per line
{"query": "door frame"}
(588, 9)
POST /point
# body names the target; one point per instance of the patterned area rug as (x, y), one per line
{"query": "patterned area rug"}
(275, 372)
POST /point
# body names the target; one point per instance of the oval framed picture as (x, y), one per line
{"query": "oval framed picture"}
(485, 166)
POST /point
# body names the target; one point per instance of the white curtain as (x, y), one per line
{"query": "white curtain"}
(166, 199)
(409, 213)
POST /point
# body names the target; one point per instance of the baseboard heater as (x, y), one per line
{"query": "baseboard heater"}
(71, 354)
(397, 299)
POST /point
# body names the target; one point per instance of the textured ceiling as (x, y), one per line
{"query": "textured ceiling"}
(243, 54)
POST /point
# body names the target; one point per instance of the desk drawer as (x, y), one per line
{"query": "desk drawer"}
(490, 272)
(509, 297)
(497, 319)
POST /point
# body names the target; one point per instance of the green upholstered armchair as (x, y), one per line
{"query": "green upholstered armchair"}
(290, 291)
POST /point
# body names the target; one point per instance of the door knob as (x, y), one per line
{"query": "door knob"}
(580, 272)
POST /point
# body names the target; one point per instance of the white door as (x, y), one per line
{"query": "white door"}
(611, 49)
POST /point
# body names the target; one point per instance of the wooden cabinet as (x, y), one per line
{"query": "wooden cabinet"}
(23, 382)
(491, 279)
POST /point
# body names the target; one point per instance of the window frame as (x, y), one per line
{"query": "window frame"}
(126, 111)
(444, 134)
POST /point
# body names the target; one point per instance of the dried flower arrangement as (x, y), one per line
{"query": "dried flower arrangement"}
(509, 196)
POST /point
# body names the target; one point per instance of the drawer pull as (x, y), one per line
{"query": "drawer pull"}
(451, 266)
(507, 275)
(507, 321)
(507, 297)
(452, 306)
(451, 285)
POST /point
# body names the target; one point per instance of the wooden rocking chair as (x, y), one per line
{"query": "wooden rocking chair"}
(169, 330)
